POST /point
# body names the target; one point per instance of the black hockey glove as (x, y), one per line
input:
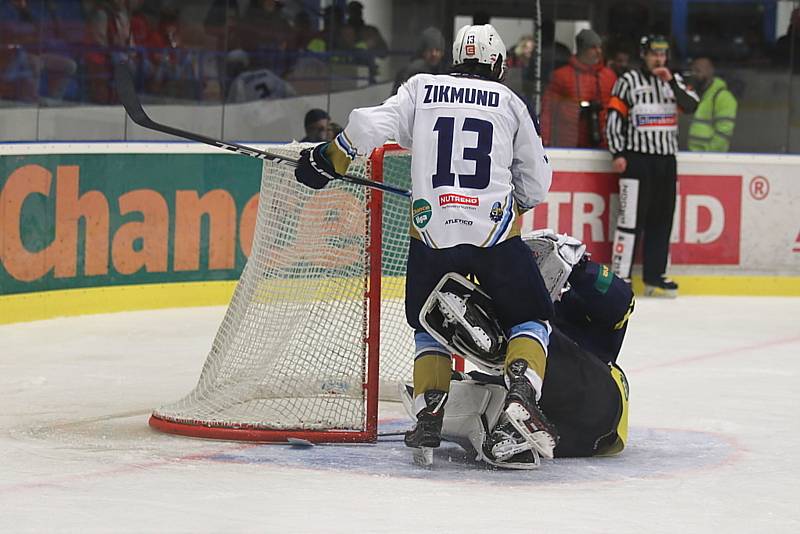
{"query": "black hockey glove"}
(314, 169)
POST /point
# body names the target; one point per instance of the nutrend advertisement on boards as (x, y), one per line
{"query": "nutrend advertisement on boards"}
(89, 215)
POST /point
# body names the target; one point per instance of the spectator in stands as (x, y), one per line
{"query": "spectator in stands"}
(520, 56)
(334, 129)
(27, 52)
(109, 39)
(429, 57)
(317, 123)
(258, 84)
(711, 129)
(303, 32)
(351, 50)
(619, 61)
(221, 22)
(310, 72)
(574, 106)
(265, 34)
(787, 47)
(221, 25)
(170, 66)
(365, 33)
(366, 40)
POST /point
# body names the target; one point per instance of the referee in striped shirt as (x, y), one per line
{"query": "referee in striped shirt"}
(642, 132)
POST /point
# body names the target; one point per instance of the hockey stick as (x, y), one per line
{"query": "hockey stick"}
(133, 107)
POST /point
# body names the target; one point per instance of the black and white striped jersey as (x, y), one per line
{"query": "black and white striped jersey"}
(643, 113)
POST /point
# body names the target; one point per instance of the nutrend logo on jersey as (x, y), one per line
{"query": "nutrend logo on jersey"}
(450, 199)
(706, 227)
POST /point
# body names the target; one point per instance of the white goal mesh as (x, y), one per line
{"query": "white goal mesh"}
(297, 350)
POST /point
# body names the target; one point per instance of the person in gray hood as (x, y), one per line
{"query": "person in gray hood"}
(429, 57)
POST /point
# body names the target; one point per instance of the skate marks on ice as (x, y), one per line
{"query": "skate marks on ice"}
(652, 453)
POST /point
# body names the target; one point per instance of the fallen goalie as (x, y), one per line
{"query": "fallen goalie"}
(584, 393)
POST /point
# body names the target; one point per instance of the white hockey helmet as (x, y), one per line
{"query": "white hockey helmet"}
(481, 43)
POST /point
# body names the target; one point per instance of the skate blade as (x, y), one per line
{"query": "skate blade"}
(506, 449)
(541, 441)
(503, 463)
(423, 456)
(657, 292)
(514, 465)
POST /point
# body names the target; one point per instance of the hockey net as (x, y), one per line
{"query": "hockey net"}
(316, 323)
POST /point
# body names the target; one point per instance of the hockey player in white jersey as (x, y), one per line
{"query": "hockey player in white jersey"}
(477, 164)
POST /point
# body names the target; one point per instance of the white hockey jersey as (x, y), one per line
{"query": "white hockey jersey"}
(477, 161)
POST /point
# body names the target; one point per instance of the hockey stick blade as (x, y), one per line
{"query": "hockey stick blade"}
(133, 107)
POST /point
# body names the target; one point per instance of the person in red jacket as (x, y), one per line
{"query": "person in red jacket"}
(575, 103)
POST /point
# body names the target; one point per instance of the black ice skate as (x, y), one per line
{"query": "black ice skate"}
(663, 287)
(427, 433)
(505, 447)
(524, 413)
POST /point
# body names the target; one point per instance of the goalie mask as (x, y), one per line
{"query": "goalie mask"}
(460, 316)
(556, 255)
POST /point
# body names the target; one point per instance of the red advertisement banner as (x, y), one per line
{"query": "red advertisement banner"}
(706, 229)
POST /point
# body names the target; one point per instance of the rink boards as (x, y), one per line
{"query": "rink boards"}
(97, 227)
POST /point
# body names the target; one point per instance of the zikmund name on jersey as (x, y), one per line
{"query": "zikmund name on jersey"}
(461, 95)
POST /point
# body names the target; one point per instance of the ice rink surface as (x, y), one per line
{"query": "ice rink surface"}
(715, 434)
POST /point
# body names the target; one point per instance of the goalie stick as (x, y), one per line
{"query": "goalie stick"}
(133, 107)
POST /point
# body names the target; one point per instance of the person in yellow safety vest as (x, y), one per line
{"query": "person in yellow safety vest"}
(713, 122)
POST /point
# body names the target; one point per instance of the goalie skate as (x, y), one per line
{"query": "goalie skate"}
(523, 412)
(506, 448)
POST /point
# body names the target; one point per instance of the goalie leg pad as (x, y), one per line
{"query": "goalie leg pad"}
(472, 408)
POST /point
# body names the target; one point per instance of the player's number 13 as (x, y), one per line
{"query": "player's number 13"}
(445, 126)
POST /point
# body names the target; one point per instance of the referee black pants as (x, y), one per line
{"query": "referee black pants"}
(647, 191)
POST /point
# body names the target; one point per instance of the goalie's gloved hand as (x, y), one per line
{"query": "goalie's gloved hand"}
(314, 169)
